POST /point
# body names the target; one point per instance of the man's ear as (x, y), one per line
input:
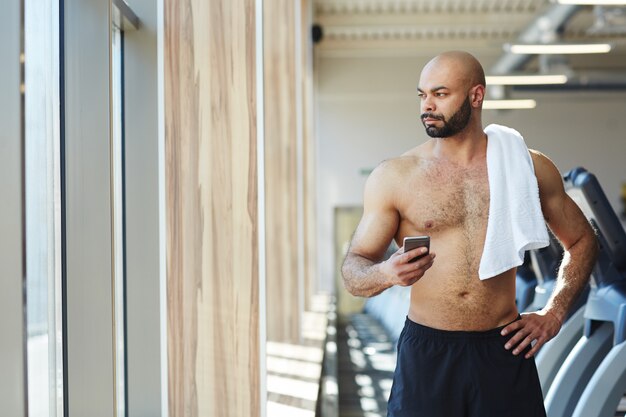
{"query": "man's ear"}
(477, 95)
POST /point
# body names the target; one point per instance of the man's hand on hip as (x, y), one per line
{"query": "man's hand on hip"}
(539, 327)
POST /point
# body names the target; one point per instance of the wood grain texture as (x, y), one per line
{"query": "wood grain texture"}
(281, 159)
(211, 198)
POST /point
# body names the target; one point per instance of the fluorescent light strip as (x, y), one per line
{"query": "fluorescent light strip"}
(509, 104)
(526, 79)
(591, 48)
(594, 2)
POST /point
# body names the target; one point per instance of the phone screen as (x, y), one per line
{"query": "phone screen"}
(413, 242)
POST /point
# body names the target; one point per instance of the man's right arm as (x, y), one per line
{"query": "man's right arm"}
(365, 278)
(363, 272)
(362, 277)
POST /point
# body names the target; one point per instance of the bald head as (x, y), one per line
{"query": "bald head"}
(462, 66)
(451, 90)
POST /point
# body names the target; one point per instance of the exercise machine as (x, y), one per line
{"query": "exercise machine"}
(606, 305)
(577, 385)
(551, 356)
(545, 264)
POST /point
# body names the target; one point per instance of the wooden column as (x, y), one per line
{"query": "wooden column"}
(211, 208)
(281, 172)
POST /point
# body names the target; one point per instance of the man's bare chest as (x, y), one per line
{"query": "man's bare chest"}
(448, 199)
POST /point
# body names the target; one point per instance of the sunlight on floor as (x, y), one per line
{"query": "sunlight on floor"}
(293, 367)
(294, 371)
(367, 361)
(303, 353)
(281, 410)
(292, 387)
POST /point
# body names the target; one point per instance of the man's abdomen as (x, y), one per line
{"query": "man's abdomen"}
(445, 299)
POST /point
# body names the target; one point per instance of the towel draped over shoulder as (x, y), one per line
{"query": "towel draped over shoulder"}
(515, 222)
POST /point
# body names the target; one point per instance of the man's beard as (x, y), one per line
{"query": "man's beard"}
(457, 122)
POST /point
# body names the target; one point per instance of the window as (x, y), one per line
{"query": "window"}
(43, 209)
(123, 18)
(118, 213)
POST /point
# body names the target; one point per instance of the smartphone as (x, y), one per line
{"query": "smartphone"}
(412, 242)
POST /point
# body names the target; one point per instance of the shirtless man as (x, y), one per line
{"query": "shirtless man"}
(465, 350)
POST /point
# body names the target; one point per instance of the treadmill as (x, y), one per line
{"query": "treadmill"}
(550, 358)
(592, 378)
(606, 305)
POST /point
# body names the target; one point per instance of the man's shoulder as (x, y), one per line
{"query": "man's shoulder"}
(413, 158)
(399, 165)
(406, 165)
(542, 163)
(549, 178)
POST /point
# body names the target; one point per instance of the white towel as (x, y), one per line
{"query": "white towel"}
(515, 223)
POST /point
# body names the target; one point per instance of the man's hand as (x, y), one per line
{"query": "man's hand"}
(399, 271)
(540, 327)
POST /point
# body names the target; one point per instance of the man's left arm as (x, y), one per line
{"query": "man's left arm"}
(571, 228)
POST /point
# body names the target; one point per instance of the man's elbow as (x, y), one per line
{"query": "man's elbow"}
(346, 274)
(352, 274)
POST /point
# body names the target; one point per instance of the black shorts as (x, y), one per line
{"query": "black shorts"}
(443, 373)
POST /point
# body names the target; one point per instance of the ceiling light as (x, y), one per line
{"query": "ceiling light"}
(564, 48)
(509, 104)
(526, 79)
(594, 2)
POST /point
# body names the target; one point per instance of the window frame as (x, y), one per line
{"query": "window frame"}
(13, 391)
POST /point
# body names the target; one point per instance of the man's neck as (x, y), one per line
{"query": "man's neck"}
(464, 148)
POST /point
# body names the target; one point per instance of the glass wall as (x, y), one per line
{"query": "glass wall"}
(75, 160)
(118, 212)
(43, 208)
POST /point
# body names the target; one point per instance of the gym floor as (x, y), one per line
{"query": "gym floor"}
(366, 360)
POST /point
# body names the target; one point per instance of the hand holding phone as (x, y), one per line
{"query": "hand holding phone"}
(413, 242)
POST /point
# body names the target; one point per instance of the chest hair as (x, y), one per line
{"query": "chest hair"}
(454, 196)
(460, 198)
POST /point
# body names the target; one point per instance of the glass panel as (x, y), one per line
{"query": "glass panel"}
(117, 169)
(43, 209)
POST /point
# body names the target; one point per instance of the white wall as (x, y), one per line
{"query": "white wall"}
(368, 110)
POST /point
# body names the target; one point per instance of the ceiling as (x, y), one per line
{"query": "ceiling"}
(420, 27)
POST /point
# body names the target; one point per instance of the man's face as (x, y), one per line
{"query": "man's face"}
(439, 126)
